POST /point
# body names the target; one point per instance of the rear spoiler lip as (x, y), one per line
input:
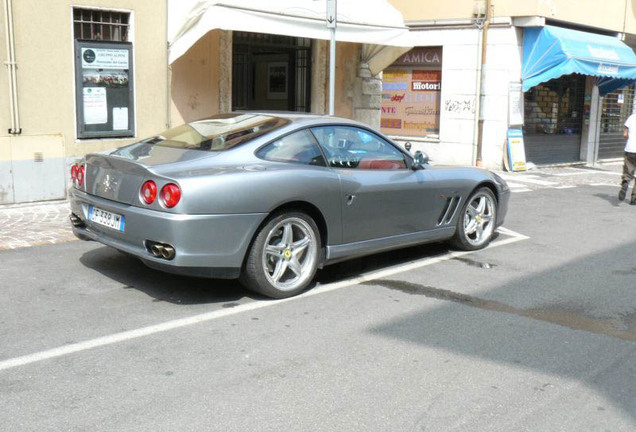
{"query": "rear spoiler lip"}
(118, 163)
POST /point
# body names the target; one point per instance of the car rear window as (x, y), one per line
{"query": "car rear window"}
(219, 133)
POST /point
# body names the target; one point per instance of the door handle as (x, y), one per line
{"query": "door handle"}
(350, 199)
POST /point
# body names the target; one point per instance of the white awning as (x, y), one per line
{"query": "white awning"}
(373, 22)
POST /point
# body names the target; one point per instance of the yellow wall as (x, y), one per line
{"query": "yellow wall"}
(347, 60)
(195, 81)
(614, 15)
(594, 13)
(630, 17)
(45, 57)
(418, 10)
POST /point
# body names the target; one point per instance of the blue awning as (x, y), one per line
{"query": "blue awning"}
(550, 52)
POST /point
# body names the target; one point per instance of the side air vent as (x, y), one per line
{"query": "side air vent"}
(449, 210)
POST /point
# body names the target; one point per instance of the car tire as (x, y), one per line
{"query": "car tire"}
(477, 220)
(284, 256)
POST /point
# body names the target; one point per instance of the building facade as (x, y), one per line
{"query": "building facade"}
(250, 55)
(90, 76)
(80, 78)
(564, 120)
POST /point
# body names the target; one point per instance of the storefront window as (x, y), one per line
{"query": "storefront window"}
(555, 107)
(411, 93)
(616, 107)
(553, 120)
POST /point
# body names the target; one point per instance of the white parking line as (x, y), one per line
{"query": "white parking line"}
(534, 180)
(585, 172)
(515, 185)
(209, 316)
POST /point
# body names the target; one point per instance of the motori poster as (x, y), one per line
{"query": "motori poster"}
(411, 90)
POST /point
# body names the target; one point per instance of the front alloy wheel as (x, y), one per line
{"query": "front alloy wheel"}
(284, 257)
(476, 224)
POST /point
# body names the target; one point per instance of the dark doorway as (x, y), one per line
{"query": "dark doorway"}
(270, 72)
(553, 126)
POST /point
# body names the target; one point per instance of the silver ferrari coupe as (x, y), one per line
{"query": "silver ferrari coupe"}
(270, 198)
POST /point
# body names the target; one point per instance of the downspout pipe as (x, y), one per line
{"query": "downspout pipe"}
(480, 90)
(168, 70)
(12, 69)
(332, 7)
(480, 29)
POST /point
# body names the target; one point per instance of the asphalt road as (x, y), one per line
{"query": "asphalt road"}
(535, 333)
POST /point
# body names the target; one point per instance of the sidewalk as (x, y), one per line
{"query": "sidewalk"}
(563, 177)
(32, 224)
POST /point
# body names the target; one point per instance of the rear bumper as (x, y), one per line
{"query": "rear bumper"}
(205, 245)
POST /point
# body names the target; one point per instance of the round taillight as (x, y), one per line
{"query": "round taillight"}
(149, 192)
(81, 173)
(170, 195)
(74, 172)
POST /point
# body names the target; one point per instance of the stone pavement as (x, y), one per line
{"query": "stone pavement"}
(565, 177)
(24, 225)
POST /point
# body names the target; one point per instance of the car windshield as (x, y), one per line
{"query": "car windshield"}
(219, 133)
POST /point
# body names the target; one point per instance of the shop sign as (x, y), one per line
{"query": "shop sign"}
(516, 150)
(603, 53)
(515, 104)
(411, 101)
(607, 69)
(99, 58)
(421, 56)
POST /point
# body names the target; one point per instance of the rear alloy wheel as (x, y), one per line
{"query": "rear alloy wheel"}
(284, 256)
(476, 224)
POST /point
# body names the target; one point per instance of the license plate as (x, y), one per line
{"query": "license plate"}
(106, 218)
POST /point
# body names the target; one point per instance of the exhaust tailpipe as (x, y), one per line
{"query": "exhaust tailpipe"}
(167, 252)
(161, 250)
(75, 220)
(157, 250)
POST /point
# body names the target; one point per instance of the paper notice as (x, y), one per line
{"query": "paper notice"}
(95, 106)
(120, 118)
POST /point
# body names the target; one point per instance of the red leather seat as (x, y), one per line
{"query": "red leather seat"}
(380, 164)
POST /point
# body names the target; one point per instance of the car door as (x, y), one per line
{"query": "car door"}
(381, 195)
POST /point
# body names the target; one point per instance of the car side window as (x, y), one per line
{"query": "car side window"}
(299, 147)
(357, 148)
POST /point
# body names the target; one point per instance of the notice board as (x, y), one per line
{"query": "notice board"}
(104, 89)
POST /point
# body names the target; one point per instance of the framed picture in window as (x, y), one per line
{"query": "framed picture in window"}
(277, 80)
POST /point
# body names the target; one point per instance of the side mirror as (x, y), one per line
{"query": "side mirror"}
(420, 159)
(407, 146)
